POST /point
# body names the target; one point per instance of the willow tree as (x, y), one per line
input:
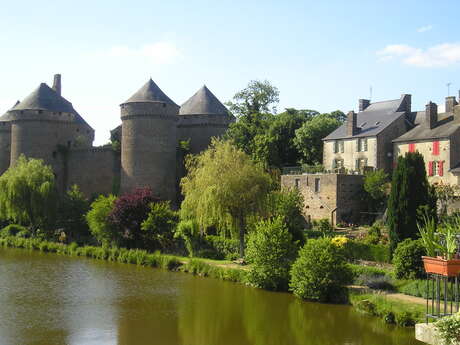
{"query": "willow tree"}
(28, 194)
(224, 187)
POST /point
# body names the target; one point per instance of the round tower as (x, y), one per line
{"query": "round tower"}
(202, 117)
(5, 142)
(149, 142)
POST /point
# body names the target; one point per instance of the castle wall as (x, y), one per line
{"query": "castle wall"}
(149, 145)
(95, 170)
(199, 129)
(5, 146)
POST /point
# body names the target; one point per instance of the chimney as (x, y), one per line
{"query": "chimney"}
(431, 114)
(57, 84)
(363, 104)
(451, 102)
(352, 120)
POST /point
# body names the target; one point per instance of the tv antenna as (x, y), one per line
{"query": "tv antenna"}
(448, 89)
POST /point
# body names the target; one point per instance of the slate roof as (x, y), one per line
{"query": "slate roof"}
(150, 92)
(373, 120)
(446, 125)
(45, 98)
(203, 102)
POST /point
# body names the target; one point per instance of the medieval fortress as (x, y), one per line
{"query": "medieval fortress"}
(45, 125)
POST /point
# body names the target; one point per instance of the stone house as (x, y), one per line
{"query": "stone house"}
(331, 196)
(437, 137)
(45, 125)
(365, 139)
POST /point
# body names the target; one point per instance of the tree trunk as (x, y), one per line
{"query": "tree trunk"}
(242, 226)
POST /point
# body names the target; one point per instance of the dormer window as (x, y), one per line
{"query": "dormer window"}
(377, 123)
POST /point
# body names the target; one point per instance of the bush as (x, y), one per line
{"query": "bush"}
(158, 229)
(223, 248)
(271, 251)
(98, 220)
(379, 282)
(188, 231)
(449, 329)
(374, 235)
(320, 272)
(13, 230)
(324, 225)
(407, 259)
(358, 250)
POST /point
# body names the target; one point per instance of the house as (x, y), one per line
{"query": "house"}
(365, 139)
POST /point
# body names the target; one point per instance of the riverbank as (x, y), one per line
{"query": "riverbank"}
(375, 304)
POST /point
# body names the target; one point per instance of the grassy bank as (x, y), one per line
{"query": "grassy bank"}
(130, 256)
(403, 314)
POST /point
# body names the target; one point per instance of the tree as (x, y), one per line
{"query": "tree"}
(257, 97)
(223, 187)
(99, 222)
(320, 272)
(72, 209)
(158, 228)
(410, 192)
(28, 194)
(128, 213)
(271, 252)
(375, 186)
(309, 138)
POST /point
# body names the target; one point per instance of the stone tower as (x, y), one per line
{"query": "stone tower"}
(149, 142)
(5, 142)
(44, 125)
(202, 117)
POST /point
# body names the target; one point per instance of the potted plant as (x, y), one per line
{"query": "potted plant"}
(442, 246)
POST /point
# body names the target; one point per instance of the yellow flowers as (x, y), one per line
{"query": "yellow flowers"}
(339, 241)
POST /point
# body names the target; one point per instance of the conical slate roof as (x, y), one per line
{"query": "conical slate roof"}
(203, 102)
(45, 98)
(150, 92)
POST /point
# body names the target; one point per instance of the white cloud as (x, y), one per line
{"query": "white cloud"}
(425, 28)
(159, 52)
(441, 55)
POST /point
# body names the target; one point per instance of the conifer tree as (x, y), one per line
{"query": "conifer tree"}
(410, 192)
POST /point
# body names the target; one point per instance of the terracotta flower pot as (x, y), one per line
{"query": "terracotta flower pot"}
(448, 268)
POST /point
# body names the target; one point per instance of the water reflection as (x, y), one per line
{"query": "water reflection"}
(49, 299)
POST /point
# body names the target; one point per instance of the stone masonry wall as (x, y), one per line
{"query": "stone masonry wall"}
(385, 145)
(350, 154)
(5, 146)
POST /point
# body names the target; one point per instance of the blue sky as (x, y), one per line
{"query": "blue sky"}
(322, 55)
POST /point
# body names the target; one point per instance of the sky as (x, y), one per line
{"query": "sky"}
(321, 55)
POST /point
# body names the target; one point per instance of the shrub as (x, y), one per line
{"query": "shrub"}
(374, 235)
(188, 231)
(358, 250)
(449, 329)
(223, 248)
(271, 251)
(324, 225)
(158, 228)
(129, 211)
(98, 220)
(407, 259)
(13, 230)
(320, 272)
(379, 282)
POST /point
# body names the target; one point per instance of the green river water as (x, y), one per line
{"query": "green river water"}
(46, 299)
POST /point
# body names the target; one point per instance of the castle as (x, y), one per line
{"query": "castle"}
(46, 126)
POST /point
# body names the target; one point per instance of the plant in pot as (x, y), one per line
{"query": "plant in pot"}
(442, 247)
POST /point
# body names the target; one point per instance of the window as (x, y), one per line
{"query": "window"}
(361, 145)
(338, 146)
(436, 168)
(435, 148)
(317, 185)
(360, 163)
(297, 183)
(337, 164)
(341, 146)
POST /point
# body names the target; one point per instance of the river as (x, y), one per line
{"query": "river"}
(46, 299)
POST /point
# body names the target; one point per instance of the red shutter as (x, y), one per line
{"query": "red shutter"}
(411, 147)
(430, 168)
(441, 168)
(436, 148)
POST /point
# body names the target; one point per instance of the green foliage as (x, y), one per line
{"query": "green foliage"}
(308, 138)
(188, 231)
(441, 239)
(223, 188)
(27, 193)
(158, 229)
(449, 329)
(72, 209)
(271, 252)
(374, 235)
(409, 192)
(358, 250)
(407, 259)
(221, 248)
(320, 272)
(98, 220)
(288, 205)
(325, 226)
(375, 183)
(13, 230)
